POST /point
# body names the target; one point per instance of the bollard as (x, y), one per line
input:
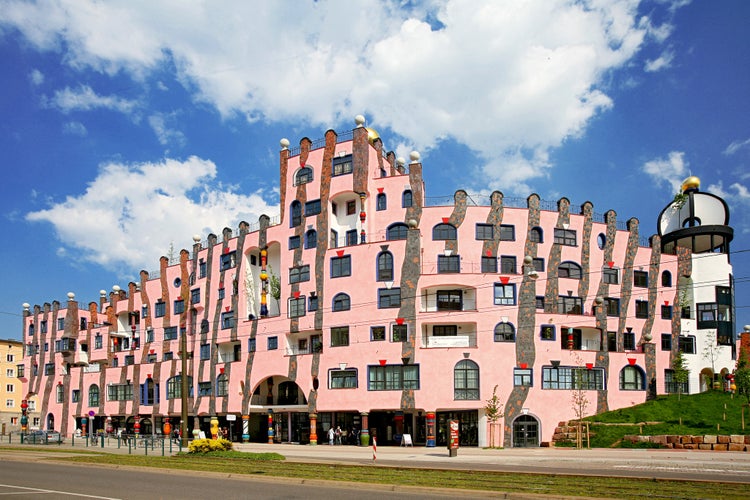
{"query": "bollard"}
(102, 440)
(129, 451)
(162, 447)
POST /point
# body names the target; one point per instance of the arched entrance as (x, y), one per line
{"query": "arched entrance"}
(50, 422)
(525, 432)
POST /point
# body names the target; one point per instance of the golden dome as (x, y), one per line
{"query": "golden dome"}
(372, 135)
(691, 182)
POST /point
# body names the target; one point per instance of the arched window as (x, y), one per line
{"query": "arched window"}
(385, 266)
(222, 385)
(666, 278)
(569, 270)
(93, 395)
(174, 387)
(505, 332)
(397, 231)
(536, 235)
(466, 380)
(601, 241)
(406, 198)
(311, 238)
(381, 202)
(341, 302)
(296, 211)
(632, 379)
(304, 175)
(444, 232)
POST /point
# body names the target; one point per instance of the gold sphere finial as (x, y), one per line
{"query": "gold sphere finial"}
(691, 182)
(372, 135)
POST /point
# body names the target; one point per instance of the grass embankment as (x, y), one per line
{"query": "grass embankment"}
(712, 412)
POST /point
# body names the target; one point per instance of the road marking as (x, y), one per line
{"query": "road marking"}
(680, 469)
(42, 490)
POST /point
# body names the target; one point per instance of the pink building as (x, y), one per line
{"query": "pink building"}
(367, 306)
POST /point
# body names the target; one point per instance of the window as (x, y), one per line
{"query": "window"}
(536, 235)
(385, 266)
(508, 264)
(299, 274)
(49, 368)
(466, 380)
(222, 385)
(351, 237)
(311, 239)
(273, 343)
(160, 309)
(565, 237)
(129, 360)
(388, 298)
(351, 207)
(167, 356)
(628, 341)
(612, 306)
(61, 323)
(227, 320)
(10, 372)
(204, 389)
(687, 344)
(399, 333)
(484, 232)
(449, 300)
(444, 232)
(10, 403)
(666, 312)
(381, 202)
(251, 344)
(84, 323)
(170, 333)
(341, 266)
(93, 395)
(632, 379)
(406, 198)
(10, 357)
(341, 302)
(641, 309)
(398, 231)
(489, 264)
(640, 279)
(339, 336)
(569, 270)
(572, 377)
(666, 341)
(202, 268)
(505, 295)
(666, 279)
(228, 260)
(179, 306)
(312, 303)
(297, 307)
(295, 210)
(205, 351)
(312, 207)
(377, 333)
(569, 305)
(392, 377)
(601, 241)
(294, 242)
(538, 263)
(150, 334)
(342, 165)
(195, 296)
(522, 377)
(611, 275)
(151, 358)
(505, 332)
(539, 302)
(507, 232)
(117, 392)
(174, 387)
(43, 326)
(547, 332)
(449, 264)
(65, 344)
(673, 387)
(303, 176)
(342, 379)
(445, 330)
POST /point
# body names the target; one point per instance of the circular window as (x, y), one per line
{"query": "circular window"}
(602, 241)
(177, 282)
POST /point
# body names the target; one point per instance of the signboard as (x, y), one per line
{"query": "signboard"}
(406, 440)
(231, 418)
(452, 438)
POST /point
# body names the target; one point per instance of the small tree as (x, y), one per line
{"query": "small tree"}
(742, 380)
(681, 373)
(579, 400)
(494, 412)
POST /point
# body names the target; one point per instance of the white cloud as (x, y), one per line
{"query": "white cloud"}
(669, 171)
(131, 213)
(736, 146)
(36, 77)
(661, 62)
(498, 77)
(75, 128)
(85, 99)
(736, 193)
(164, 133)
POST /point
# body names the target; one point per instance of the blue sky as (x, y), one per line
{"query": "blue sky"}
(127, 127)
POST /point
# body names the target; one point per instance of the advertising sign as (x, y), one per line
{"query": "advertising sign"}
(453, 438)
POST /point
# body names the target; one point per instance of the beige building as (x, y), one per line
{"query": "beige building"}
(12, 377)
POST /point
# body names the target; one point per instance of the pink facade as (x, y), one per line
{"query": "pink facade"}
(391, 308)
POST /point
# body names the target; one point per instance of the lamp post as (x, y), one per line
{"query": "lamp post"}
(184, 389)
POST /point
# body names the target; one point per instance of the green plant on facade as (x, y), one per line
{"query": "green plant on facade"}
(679, 200)
(209, 445)
(494, 412)
(273, 280)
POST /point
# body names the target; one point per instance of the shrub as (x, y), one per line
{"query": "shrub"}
(209, 445)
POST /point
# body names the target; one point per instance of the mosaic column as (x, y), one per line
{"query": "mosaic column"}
(430, 424)
(245, 428)
(270, 426)
(313, 428)
(364, 436)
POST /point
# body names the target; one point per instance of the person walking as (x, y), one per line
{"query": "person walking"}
(331, 435)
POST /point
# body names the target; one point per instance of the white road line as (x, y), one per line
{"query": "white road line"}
(42, 490)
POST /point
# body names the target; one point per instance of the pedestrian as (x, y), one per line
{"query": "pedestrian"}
(331, 435)
(338, 434)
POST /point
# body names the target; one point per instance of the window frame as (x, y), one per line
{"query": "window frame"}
(566, 237)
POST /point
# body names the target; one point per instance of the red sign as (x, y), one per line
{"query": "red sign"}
(453, 435)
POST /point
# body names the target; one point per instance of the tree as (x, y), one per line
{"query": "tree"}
(742, 379)
(711, 354)
(494, 412)
(579, 400)
(681, 373)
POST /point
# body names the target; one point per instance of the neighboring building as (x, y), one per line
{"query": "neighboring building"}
(12, 377)
(367, 305)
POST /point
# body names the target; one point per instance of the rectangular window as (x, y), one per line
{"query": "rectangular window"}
(672, 387)
(343, 379)
(151, 358)
(251, 345)
(484, 232)
(508, 264)
(312, 207)
(299, 274)
(687, 344)
(507, 232)
(450, 300)
(547, 332)
(377, 333)
(168, 356)
(227, 320)
(202, 268)
(75, 396)
(666, 341)
(641, 309)
(334, 238)
(297, 307)
(340, 336)
(312, 303)
(399, 333)
(569, 305)
(204, 388)
(61, 324)
(49, 369)
(351, 237)
(119, 392)
(522, 377)
(144, 311)
(228, 260)
(489, 264)
(351, 207)
(179, 306)
(449, 264)
(10, 372)
(640, 279)
(129, 360)
(342, 165)
(538, 263)
(341, 266)
(628, 341)
(572, 377)
(565, 237)
(610, 275)
(98, 342)
(221, 293)
(195, 296)
(392, 377)
(294, 242)
(170, 333)
(273, 343)
(10, 357)
(612, 306)
(539, 302)
(388, 298)
(20, 371)
(160, 309)
(445, 330)
(505, 295)
(43, 327)
(205, 351)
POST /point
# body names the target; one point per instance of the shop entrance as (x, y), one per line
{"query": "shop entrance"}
(525, 432)
(468, 427)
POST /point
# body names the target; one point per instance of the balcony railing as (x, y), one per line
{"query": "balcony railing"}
(432, 341)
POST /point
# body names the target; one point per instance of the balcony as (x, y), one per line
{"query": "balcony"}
(438, 341)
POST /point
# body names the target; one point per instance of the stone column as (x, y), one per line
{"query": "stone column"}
(364, 436)
(430, 422)
(245, 428)
(313, 429)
